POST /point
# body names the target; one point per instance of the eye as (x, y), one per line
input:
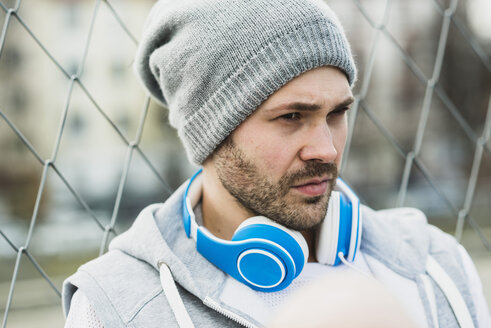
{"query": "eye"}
(339, 112)
(295, 116)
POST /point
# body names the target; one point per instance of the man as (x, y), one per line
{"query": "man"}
(258, 91)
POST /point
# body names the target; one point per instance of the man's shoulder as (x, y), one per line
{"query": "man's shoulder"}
(408, 224)
(403, 239)
(117, 264)
(394, 225)
(399, 218)
(117, 279)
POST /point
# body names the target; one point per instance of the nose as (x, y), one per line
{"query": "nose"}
(319, 145)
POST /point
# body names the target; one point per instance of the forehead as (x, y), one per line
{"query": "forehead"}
(324, 86)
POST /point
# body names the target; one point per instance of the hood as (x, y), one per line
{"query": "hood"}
(397, 237)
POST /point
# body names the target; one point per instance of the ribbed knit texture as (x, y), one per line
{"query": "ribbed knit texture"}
(213, 62)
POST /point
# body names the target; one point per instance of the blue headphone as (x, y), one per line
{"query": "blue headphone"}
(267, 256)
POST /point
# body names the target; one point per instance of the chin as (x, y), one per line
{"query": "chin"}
(305, 222)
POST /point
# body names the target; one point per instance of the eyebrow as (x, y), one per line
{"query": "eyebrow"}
(309, 107)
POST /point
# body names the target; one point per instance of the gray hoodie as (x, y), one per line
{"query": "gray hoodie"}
(124, 289)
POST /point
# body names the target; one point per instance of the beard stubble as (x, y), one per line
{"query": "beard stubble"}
(261, 196)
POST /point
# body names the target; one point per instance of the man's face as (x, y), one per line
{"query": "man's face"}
(282, 161)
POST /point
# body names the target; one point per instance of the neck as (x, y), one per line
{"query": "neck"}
(309, 236)
(222, 213)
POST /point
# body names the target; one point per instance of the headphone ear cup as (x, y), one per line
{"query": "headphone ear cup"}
(352, 220)
(345, 224)
(328, 232)
(341, 229)
(291, 241)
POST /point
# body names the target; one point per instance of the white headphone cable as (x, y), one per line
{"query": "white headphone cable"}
(351, 266)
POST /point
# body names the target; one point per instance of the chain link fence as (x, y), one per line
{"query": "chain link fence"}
(83, 149)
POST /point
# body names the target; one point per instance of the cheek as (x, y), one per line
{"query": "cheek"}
(276, 157)
(271, 152)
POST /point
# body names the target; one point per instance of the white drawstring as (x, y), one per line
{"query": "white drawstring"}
(172, 294)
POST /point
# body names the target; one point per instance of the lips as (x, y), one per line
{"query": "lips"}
(313, 187)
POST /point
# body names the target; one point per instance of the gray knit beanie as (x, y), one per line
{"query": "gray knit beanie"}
(213, 62)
